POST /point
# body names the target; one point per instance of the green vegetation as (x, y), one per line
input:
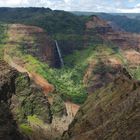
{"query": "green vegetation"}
(26, 129)
(68, 29)
(58, 106)
(34, 120)
(67, 81)
(62, 22)
(52, 21)
(30, 101)
(2, 39)
(136, 73)
(60, 36)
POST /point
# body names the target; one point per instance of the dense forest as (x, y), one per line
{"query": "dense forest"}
(56, 21)
(52, 21)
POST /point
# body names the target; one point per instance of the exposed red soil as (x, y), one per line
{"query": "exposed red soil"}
(43, 83)
(132, 56)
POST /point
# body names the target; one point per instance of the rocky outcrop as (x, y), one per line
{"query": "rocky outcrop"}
(32, 40)
(25, 112)
(106, 32)
(8, 126)
(19, 99)
(100, 72)
(113, 112)
(29, 100)
(98, 25)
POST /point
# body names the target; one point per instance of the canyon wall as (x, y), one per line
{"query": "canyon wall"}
(112, 112)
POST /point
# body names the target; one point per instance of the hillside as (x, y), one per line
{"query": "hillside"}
(124, 22)
(110, 113)
(20, 99)
(30, 50)
(127, 21)
(52, 21)
(104, 51)
(29, 112)
(8, 126)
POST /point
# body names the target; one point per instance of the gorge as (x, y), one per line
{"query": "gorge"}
(81, 83)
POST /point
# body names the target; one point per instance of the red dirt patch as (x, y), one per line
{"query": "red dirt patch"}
(43, 83)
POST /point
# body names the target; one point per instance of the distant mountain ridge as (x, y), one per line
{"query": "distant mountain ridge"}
(58, 21)
(129, 15)
(53, 21)
(130, 22)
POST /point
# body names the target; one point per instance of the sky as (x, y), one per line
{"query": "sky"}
(113, 6)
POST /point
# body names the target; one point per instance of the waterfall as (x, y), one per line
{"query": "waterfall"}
(59, 53)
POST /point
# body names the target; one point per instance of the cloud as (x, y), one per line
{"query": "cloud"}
(132, 10)
(138, 5)
(12, 3)
(78, 5)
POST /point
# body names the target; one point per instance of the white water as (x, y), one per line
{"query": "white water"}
(59, 53)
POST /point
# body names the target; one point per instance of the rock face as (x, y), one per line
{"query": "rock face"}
(19, 98)
(126, 47)
(25, 112)
(100, 26)
(106, 32)
(113, 112)
(32, 40)
(8, 126)
(101, 71)
(29, 100)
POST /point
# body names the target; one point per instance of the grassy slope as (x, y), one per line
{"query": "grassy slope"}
(67, 81)
(108, 112)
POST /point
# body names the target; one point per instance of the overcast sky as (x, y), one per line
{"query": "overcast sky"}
(125, 6)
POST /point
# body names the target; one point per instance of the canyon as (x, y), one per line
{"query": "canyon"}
(50, 89)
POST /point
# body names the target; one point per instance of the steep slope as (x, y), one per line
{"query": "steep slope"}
(124, 40)
(22, 51)
(8, 127)
(113, 112)
(25, 111)
(31, 40)
(23, 99)
(117, 49)
(27, 42)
